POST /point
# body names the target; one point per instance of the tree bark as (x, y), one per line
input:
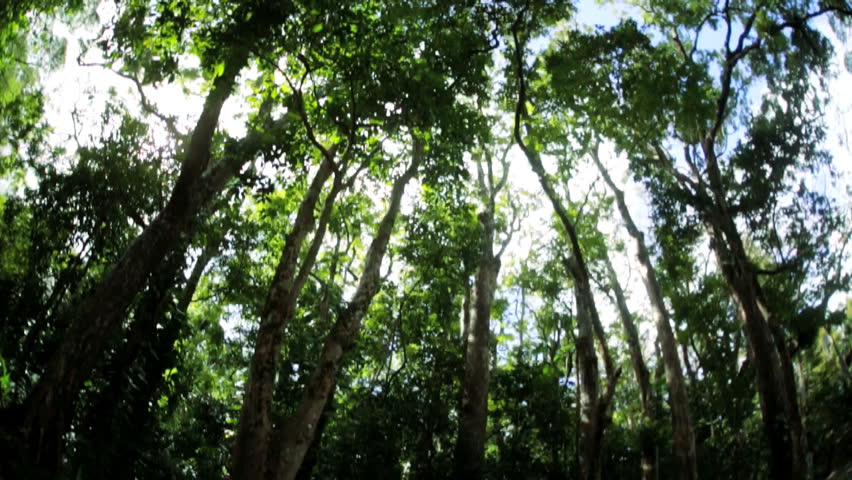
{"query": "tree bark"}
(612, 373)
(312, 454)
(643, 378)
(291, 440)
(776, 391)
(592, 415)
(252, 442)
(684, 438)
(50, 404)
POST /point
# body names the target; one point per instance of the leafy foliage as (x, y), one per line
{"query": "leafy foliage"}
(716, 110)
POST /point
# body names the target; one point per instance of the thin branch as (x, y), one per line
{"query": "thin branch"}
(676, 38)
(505, 173)
(586, 198)
(782, 268)
(664, 161)
(513, 228)
(146, 104)
(300, 107)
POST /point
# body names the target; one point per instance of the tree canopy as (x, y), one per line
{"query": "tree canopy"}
(425, 239)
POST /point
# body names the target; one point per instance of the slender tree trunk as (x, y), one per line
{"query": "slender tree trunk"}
(592, 416)
(591, 430)
(772, 362)
(592, 409)
(249, 457)
(312, 454)
(473, 413)
(647, 446)
(465, 327)
(612, 373)
(291, 440)
(50, 404)
(591, 419)
(684, 438)
(473, 416)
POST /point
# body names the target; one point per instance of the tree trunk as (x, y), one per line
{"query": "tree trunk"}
(312, 454)
(592, 415)
(250, 450)
(291, 440)
(776, 391)
(465, 326)
(772, 362)
(591, 429)
(684, 438)
(643, 378)
(612, 373)
(137, 372)
(50, 404)
(473, 415)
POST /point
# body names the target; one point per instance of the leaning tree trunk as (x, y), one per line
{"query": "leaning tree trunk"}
(125, 405)
(593, 405)
(591, 434)
(473, 416)
(647, 446)
(776, 390)
(592, 416)
(291, 440)
(309, 462)
(772, 362)
(612, 373)
(50, 405)
(684, 439)
(592, 408)
(312, 454)
(252, 442)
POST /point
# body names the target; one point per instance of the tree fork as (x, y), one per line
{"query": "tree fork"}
(290, 441)
(252, 442)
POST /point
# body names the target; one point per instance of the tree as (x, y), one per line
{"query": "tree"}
(682, 423)
(473, 416)
(51, 401)
(593, 405)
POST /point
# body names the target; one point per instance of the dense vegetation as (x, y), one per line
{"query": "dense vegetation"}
(424, 239)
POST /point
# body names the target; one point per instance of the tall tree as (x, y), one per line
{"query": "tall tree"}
(291, 440)
(640, 370)
(50, 404)
(255, 422)
(473, 415)
(594, 404)
(684, 441)
(703, 113)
